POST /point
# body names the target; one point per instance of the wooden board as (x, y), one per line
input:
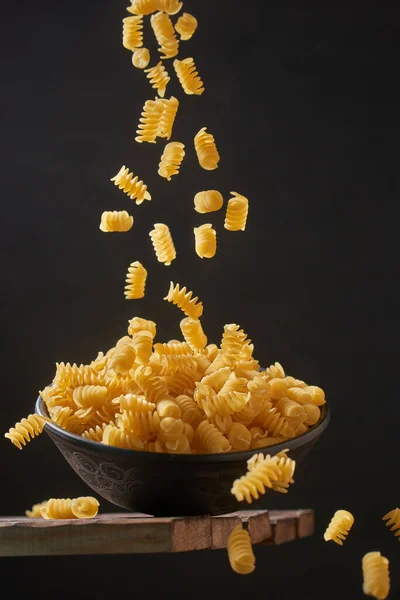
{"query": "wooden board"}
(132, 533)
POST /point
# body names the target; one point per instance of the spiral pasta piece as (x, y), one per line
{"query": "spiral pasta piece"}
(206, 150)
(132, 34)
(94, 434)
(144, 7)
(190, 412)
(141, 58)
(234, 340)
(173, 349)
(34, 512)
(217, 378)
(57, 508)
(239, 437)
(183, 299)
(182, 382)
(170, 6)
(86, 396)
(193, 333)
(290, 409)
(392, 519)
(171, 160)
(313, 414)
(169, 408)
(205, 238)
(186, 25)
(85, 507)
(274, 371)
(208, 201)
(143, 345)
(165, 35)
(25, 430)
(140, 423)
(240, 552)
(339, 527)
(135, 189)
(376, 575)
(138, 324)
(149, 123)
(210, 439)
(113, 436)
(261, 476)
(153, 387)
(236, 213)
(170, 364)
(116, 221)
(170, 108)
(123, 358)
(163, 244)
(188, 76)
(65, 418)
(135, 281)
(158, 77)
(134, 403)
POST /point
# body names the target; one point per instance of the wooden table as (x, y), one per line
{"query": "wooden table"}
(132, 533)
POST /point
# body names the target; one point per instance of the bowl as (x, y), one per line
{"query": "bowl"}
(168, 484)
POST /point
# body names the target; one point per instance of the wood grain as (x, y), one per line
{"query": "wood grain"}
(133, 533)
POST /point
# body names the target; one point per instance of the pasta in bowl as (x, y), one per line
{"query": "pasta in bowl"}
(163, 484)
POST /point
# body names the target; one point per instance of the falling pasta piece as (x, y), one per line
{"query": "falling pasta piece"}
(339, 527)
(141, 58)
(183, 299)
(25, 430)
(165, 35)
(132, 34)
(171, 160)
(163, 244)
(376, 575)
(392, 519)
(144, 7)
(116, 221)
(135, 281)
(172, 7)
(158, 78)
(193, 333)
(188, 76)
(170, 108)
(150, 121)
(205, 240)
(240, 552)
(186, 25)
(206, 150)
(135, 189)
(208, 201)
(236, 213)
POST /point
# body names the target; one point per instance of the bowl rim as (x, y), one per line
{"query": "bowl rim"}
(312, 434)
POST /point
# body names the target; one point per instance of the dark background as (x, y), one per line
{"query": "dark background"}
(301, 97)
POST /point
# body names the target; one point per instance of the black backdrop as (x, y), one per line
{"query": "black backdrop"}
(301, 97)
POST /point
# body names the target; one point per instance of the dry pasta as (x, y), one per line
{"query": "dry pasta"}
(144, 7)
(34, 512)
(25, 430)
(240, 551)
(158, 78)
(141, 58)
(206, 150)
(236, 213)
(392, 519)
(339, 527)
(163, 244)
(376, 575)
(205, 238)
(171, 160)
(271, 473)
(135, 281)
(132, 34)
(186, 25)
(193, 333)
(183, 300)
(132, 186)
(84, 507)
(165, 35)
(188, 76)
(149, 122)
(116, 221)
(208, 201)
(170, 108)
(172, 7)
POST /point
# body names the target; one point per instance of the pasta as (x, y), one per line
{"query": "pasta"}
(141, 58)
(205, 241)
(393, 518)
(183, 299)
(271, 473)
(186, 25)
(158, 78)
(149, 123)
(208, 201)
(170, 108)
(85, 507)
(135, 189)
(132, 34)
(35, 513)
(239, 437)
(135, 281)
(170, 6)
(236, 213)
(206, 150)
(163, 244)
(165, 35)
(240, 551)
(86, 396)
(193, 333)
(112, 436)
(138, 324)
(25, 430)
(144, 7)
(171, 160)
(376, 575)
(210, 439)
(339, 527)
(188, 76)
(116, 221)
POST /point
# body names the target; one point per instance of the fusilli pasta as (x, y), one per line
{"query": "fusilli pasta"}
(171, 160)
(236, 213)
(25, 430)
(165, 35)
(158, 78)
(132, 34)
(339, 527)
(208, 201)
(116, 221)
(186, 25)
(376, 575)
(163, 244)
(392, 519)
(141, 58)
(135, 189)
(183, 299)
(135, 281)
(240, 551)
(205, 241)
(188, 76)
(206, 150)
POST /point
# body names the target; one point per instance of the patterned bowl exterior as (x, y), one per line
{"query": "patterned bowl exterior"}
(167, 484)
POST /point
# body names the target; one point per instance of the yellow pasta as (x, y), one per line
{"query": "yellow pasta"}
(188, 76)
(169, 408)
(142, 424)
(392, 519)
(206, 150)
(170, 6)
(65, 418)
(186, 25)
(163, 244)
(190, 412)
(239, 437)
(171, 160)
(210, 439)
(193, 333)
(205, 241)
(116, 221)
(165, 35)
(179, 348)
(267, 473)
(236, 213)
(274, 371)
(208, 201)
(183, 299)
(154, 388)
(123, 358)
(170, 108)
(132, 34)
(35, 513)
(158, 78)
(149, 122)
(182, 382)
(25, 430)
(135, 281)
(240, 551)
(94, 434)
(86, 396)
(339, 527)
(135, 189)
(141, 58)
(85, 507)
(138, 324)
(376, 575)
(144, 7)
(112, 436)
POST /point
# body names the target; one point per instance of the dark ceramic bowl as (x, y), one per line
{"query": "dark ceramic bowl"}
(168, 484)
